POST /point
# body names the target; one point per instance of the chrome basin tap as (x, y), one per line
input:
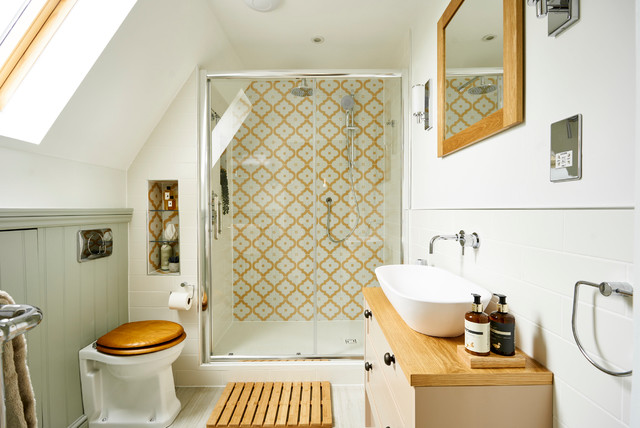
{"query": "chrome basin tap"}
(472, 240)
(455, 237)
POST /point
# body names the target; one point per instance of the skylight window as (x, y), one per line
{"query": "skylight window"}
(26, 27)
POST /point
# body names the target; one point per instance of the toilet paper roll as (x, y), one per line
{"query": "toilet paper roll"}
(180, 300)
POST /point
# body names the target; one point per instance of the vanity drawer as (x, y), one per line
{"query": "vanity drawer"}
(399, 387)
(380, 396)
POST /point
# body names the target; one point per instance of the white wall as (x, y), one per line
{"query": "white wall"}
(590, 69)
(29, 180)
(170, 153)
(538, 238)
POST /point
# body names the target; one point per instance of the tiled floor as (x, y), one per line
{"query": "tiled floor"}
(197, 405)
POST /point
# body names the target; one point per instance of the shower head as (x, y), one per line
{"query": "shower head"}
(347, 102)
(467, 83)
(482, 88)
(302, 90)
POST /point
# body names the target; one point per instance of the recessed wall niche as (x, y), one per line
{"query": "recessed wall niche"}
(163, 228)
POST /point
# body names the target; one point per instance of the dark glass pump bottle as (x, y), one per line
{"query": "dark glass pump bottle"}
(503, 329)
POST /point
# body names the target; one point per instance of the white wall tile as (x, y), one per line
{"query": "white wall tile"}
(611, 240)
(602, 333)
(575, 410)
(532, 228)
(148, 298)
(559, 271)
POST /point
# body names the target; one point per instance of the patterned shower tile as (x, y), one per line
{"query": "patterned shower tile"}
(272, 183)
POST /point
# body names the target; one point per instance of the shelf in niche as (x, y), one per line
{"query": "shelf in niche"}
(163, 272)
(163, 211)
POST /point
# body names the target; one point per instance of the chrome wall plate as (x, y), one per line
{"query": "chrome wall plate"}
(566, 149)
(94, 244)
(562, 14)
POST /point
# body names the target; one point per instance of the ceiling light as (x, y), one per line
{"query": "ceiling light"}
(262, 5)
(317, 39)
(488, 37)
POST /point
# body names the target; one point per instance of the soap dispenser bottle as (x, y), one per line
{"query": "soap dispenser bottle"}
(503, 329)
(476, 329)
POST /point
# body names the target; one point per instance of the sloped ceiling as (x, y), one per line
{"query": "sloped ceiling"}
(125, 94)
(359, 34)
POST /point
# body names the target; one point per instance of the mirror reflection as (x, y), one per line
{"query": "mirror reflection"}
(474, 64)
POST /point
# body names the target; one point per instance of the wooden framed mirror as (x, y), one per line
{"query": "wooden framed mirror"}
(480, 71)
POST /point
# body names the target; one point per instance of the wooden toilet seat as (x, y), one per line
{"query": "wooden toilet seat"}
(141, 337)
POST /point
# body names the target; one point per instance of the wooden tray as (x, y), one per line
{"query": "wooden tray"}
(492, 361)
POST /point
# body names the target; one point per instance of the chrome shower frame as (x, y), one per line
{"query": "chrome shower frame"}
(205, 231)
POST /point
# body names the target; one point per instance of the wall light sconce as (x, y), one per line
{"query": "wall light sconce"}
(420, 103)
(561, 14)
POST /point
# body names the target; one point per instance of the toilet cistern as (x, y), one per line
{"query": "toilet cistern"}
(472, 240)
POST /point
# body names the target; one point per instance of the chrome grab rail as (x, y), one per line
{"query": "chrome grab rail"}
(606, 289)
(14, 321)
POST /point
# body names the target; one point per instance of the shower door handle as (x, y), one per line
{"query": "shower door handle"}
(215, 216)
(219, 217)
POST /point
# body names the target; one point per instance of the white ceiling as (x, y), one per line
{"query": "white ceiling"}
(358, 33)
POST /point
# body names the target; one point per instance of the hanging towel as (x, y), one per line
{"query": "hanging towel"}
(19, 396)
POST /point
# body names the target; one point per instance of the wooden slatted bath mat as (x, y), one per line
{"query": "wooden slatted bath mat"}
(273, 404)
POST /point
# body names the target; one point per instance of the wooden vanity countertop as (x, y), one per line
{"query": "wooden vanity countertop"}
(433, 361)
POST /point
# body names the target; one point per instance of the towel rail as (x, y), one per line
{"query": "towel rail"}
(606, 289)
(14, 321)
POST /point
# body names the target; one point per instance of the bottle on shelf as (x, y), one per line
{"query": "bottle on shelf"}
(166, 197)
(503, 329)
(172, 204)
(165, 253)
(476, 329)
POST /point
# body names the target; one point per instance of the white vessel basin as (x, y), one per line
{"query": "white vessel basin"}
(430, 300)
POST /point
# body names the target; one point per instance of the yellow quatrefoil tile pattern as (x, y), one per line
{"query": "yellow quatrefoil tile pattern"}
(281, 176)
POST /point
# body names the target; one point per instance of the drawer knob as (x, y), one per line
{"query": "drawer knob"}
(388, 359)
(367, 313)
(368, 366)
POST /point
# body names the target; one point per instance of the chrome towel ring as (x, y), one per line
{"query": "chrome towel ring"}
(606, 289)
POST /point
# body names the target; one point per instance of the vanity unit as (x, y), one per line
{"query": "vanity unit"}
(414, 380)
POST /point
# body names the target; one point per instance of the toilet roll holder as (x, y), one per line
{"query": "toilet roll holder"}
(189, 289)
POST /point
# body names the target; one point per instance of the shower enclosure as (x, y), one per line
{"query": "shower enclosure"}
(300, 200)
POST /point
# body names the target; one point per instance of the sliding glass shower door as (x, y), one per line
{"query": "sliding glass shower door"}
(299, 170)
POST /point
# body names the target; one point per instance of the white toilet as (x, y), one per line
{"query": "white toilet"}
(126, 376)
